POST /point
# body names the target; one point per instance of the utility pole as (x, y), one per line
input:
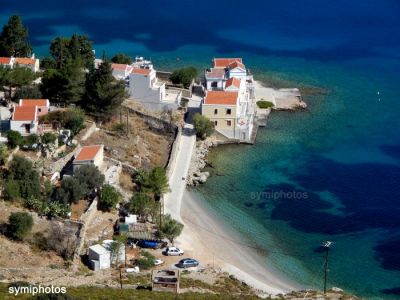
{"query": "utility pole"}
(327, 245)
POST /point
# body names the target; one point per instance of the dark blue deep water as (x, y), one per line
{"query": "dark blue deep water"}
(329, 173)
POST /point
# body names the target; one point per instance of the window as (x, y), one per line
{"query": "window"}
(214, 84)
(215, 123)
(216, 111)
(39, 110)
(228, 111)
(228, 123)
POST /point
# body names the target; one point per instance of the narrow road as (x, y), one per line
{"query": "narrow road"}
(177, 182)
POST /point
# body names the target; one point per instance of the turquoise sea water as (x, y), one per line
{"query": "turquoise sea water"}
(331, 172)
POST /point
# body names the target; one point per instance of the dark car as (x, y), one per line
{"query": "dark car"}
(187, 263)
(151, 244)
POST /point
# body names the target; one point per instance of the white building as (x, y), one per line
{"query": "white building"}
(100, 255)
(89, 155)
(229, 102)
(26, 62)
(145, 88)
(121, 71)
(25, 120)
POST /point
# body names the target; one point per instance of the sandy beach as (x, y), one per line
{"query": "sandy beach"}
(206, 238)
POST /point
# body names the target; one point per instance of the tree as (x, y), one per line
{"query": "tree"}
(62, 239)
(141, 204)
(204, 127)
(115, 248)
(104, 94)
(3, 154)
(11, 190)
(74, 119)
(20, 225)
(67, 84)
(14, 139)
(158, 181)
(15, 78)
(27, 92)
(89, 175)
(122, 58)
(78, 47)
(27, 178)
(184, 76)
(109, 198)
(14, 39)
(170, 228)
(74, 189)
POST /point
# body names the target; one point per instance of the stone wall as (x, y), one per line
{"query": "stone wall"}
(92, 128)
(174, 152)
(154, 122)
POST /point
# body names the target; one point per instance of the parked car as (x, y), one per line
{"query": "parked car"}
(187, 263)
(151, 244)
(173, 251)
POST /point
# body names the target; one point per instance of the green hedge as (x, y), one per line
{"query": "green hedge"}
(264, 104)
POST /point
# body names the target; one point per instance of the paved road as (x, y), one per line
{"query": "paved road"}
(172, 200)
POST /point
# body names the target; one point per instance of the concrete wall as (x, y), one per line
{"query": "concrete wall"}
(20, 127)
(221, 117)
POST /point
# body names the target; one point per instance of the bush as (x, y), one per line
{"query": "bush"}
(89, 175)
(11, 190)
(14, 139)
(20, 225)
(264, 104)
(109, 198)
(3, 154)
(120, 128)
(31, 139)
(146, 261)
(48, 138)
(203, 126)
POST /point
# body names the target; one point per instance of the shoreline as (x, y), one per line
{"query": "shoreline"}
(209, 239)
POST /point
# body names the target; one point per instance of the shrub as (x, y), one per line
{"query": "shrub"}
(264, 104)
(3, 154)
(48, 138)
(120, 128)
(20, 225)
(146, 261)
(89, 175)
(109, 198)
(31, 139)
(122, 58)
(14, 139)
(204, 127)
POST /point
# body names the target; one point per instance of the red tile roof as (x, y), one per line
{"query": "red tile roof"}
(232, 81)
(24, 113)
(141, 71)
(236, 64)
(88, 153)
(5, 60)
(120, 67)
(33, 102)
(224, 62)
(24, 61)
(221, 97)
(216, 73)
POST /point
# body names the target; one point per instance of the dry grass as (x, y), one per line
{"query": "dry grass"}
(142, 147)
(126, 182)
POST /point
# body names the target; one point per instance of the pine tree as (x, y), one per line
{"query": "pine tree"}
(104, 94)
(14, 39)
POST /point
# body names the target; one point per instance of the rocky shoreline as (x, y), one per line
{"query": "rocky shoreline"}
(199, 161)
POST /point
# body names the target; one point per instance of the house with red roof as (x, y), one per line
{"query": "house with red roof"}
(26, 62)
(25, 117)
(121, 71)
(7, 62)
(89, 155)
(222, 70)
